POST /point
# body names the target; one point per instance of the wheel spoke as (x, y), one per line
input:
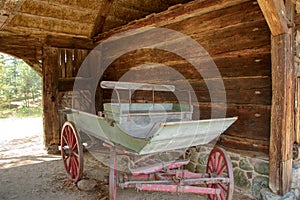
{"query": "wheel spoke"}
(68, 165)
(74, 147)
(64, 139)
(71, 152)
(223, 191)
(216, 161)
(70, 134)
(220, 162)
(209, 169)
(66, 157)
(222, 187)
(76, 154)
(72, 168)
(222, 169)
(75, 168)
(222, 195)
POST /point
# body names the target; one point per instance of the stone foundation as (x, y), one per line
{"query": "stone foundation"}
(250, 174)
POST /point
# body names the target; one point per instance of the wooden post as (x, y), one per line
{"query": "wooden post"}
(50, 98)
(279, 16)
(282, 117)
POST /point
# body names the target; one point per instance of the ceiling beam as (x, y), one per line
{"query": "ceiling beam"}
(275, 15)
(101, 16)
(69, 42)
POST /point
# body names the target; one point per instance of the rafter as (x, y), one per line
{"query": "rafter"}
(101, 16)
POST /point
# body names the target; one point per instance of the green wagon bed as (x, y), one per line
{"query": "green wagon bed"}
(146, 128)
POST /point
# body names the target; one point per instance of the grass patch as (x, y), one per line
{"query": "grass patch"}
(21, 112)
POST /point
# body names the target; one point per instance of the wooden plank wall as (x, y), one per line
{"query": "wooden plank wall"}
(60, 66)
(237, 38)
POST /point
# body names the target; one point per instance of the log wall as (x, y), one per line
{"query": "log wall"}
(60, 67)
(237, 37)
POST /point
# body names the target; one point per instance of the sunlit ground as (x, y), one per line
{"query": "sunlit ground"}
(21, 142)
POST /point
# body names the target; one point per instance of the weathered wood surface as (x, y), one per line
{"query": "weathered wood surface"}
(253, 90)
(282, 118)
(280, 17)
(101, 17)
(245, 65)
(297, 114)
(50, 97)
(275, 14)
(177, 13)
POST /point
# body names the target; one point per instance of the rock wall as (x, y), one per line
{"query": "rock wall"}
(250, 174)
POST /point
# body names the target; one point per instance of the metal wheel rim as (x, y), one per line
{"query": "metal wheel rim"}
(220, 164)
(72, 152)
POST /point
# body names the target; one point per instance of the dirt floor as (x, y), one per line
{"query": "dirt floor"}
(27, 172)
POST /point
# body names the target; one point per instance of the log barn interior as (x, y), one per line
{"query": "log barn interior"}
(252, 43)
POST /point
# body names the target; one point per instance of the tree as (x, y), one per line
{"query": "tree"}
(18, 82)
(29, 83)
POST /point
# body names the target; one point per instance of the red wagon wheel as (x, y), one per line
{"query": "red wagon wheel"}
(219, 165)
(72, 152)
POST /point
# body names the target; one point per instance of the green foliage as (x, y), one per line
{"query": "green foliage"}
(20, 87)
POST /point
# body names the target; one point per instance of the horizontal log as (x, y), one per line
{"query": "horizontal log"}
(69, 42)
(253, 120)
(242, 90)
(51, 24)
(42, 32)
(37, 7)
(176, 14)
(214, 42)
(244, 146)
(121, 11)
(66, 84)
(245, 36)
(249, 62)
(217, 19)
(78, 5)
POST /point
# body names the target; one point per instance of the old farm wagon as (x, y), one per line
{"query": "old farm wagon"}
(149, 128)
(254, 44)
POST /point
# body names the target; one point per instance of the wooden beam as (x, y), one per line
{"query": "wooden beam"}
(77, 5)
(282, 131)
(50, 24)
(282, 115)
(42, 32)
(50, 98)
(69, 42)
(275, 15)
(101, 16)
(46, 9)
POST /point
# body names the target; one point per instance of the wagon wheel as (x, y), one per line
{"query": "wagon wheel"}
(72, 152)
(219, 165)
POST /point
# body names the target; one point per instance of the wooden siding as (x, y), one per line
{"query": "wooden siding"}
(238, 40)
